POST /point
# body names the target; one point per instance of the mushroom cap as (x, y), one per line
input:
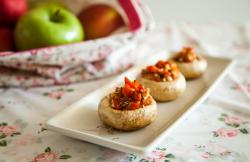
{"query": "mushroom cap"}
(192, 69)
(126, 120)
(164, 91)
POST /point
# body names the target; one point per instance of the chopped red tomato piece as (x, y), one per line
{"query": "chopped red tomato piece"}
(128, 82)
(127, 90)
(186, 55)
(161, 64)
(151, 68)
(137, 96)
(187, 49)
(135, 105)
(129, 97)
(161, 71)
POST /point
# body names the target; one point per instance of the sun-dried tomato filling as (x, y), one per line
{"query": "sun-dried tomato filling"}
(187, 54)
(130, 97)
(162, 71)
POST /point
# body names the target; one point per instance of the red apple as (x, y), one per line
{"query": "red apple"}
(11, 11)
(6, 39)
(100, 20)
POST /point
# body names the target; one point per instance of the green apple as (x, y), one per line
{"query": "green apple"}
(47, 25)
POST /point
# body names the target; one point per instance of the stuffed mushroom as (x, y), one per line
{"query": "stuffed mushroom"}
(164, 80)
(128, 108)
(190, 64)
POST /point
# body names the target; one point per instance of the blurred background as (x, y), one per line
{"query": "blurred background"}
(200, 10)
(213, 27)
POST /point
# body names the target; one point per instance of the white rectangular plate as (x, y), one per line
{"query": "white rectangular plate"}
(81, 120)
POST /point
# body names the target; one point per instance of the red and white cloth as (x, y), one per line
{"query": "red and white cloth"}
(79, 61)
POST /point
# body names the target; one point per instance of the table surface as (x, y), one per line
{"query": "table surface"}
(219, 130)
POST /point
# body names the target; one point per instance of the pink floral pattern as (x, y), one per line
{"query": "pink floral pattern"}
(157, 155)
(223, 132)
(49, 156)
(46, 157)
(7, 131)
(242, 87)
(233, 120)
(236, 122)
(212, 150)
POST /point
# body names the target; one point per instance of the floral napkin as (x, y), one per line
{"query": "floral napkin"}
(79, 61)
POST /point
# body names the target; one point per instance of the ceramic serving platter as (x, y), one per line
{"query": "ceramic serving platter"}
(81, 120)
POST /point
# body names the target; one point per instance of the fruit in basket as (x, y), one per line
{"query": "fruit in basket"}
(6, 39)
(11, 11)
(47, 25)
(100, 20)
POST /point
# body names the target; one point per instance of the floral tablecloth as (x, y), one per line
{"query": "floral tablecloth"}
(219, 130)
